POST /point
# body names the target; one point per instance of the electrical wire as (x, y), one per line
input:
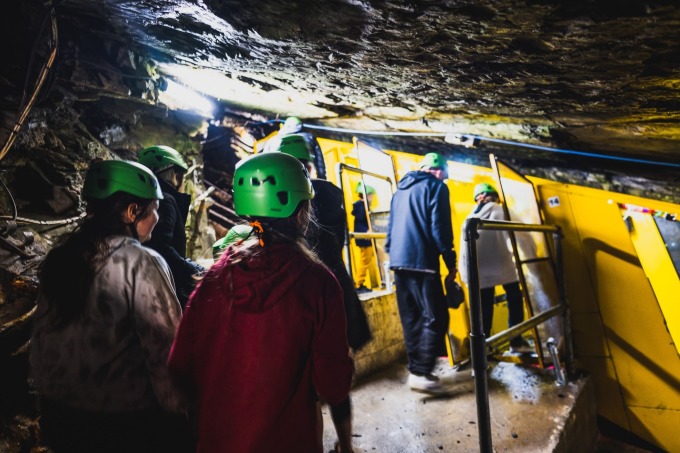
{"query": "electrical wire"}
(494, 140)
(45, 222)
(11, 198)
(36, 90)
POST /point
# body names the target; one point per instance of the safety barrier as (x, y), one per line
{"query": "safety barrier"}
(479, 343)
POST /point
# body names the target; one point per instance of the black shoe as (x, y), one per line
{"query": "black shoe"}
(363, 289)
(521, 346)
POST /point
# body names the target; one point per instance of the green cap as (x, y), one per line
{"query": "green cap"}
(270, 185)
(295, 145)
(483, 188)
(104, 178)
(235, 234)
(160, 158)
(360, 188)
(433, 160)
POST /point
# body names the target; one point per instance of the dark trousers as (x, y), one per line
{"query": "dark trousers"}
(515, 306)
(424, 318)
(69, 430)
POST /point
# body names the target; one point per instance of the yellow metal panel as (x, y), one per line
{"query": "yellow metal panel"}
(659, 267)
(644, 359)
(619, 330)
(658, 426)
(648, 369)
(588, 335)
(555, 202)
(607, 391)
(638, 340)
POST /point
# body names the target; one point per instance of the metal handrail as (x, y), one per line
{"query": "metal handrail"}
(478, 343)
(354, 235)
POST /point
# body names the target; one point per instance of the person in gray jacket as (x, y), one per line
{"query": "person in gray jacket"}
(496, 265)
(419, 232)
(106, 318)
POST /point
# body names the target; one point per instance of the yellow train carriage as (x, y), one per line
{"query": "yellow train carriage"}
(620, 257)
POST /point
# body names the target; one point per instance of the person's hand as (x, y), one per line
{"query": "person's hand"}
(452, 275)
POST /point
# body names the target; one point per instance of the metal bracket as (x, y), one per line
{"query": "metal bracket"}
(559, 374)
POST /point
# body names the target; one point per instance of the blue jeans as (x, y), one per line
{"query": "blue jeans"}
(424, 317)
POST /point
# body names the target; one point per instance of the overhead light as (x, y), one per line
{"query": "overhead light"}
(260, 93)
(467, 141)
(180, 97)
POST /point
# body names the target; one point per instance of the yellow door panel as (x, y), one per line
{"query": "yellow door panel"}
(658, 426)
(658, 266)
(638, 341)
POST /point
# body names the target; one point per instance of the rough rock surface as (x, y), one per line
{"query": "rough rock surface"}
(592, 76)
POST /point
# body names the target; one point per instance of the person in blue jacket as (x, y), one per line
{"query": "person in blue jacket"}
(419, 232)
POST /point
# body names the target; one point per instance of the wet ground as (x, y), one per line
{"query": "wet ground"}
(529, 413)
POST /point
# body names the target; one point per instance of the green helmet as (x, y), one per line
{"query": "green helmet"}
(235, 234)
(433, 160)
(270, 185)
(360, 188)
(104, 178)
(160, 158)
(296, 146)
(483, 187)
(292, 123)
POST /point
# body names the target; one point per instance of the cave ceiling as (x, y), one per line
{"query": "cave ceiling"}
(596, 77)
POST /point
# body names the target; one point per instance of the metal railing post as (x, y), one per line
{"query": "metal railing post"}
(477, 340)
(562, 289)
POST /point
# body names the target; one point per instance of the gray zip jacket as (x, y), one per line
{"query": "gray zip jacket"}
(113, 356)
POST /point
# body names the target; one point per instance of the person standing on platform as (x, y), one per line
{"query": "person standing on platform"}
(496, 266)
(170, 238)
(366, 252)
(419, 232)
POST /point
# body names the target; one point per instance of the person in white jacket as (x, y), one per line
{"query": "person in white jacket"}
(495, 263)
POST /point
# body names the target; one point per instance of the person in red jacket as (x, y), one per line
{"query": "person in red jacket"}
(262, 340)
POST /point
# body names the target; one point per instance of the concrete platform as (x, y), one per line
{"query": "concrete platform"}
(529, 413)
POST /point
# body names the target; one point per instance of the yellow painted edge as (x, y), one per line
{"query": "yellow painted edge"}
(659, 269)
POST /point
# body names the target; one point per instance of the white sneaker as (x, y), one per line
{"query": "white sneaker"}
(428, 383)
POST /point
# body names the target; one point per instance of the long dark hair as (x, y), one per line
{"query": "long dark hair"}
(291, 229)
(69, 268)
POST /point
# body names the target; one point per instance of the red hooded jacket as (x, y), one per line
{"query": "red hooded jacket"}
(259, 343)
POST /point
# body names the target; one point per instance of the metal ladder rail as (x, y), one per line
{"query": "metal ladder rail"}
(477, 340)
